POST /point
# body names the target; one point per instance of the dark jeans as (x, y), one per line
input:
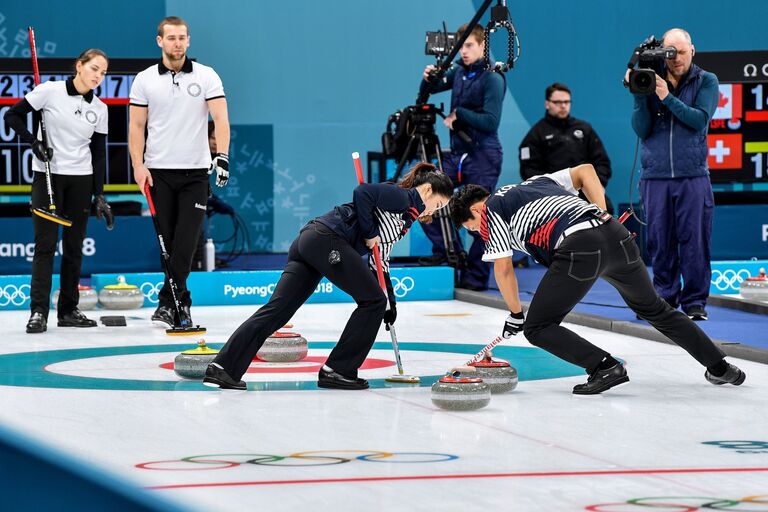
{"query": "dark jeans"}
(180, 198)
(608, 251)
(307, 264)
(679, 214)
(479, 168)
(72, 196)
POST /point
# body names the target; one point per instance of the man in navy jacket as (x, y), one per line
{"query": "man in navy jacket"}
(677, 194)
(477, 94)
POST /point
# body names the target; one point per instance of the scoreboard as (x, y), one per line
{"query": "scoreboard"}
(16, 80)
(738, 132)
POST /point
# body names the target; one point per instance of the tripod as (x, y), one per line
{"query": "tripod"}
(424, 145)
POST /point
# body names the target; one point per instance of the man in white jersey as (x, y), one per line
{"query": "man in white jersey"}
(172, 101)
(578, 242)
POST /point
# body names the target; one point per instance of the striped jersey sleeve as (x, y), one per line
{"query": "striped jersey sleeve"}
(392, 228)
(497, 236)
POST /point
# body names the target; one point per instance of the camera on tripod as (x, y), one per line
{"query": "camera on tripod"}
(650, 58)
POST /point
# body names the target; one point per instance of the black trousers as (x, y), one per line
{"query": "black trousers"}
(72, 196)
(307, 264)
(608, 251)
(180, 198)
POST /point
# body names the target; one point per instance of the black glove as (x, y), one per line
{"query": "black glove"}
(514, 324)
(104, 211)
(42, 153)
(220, 164)
(390, 316)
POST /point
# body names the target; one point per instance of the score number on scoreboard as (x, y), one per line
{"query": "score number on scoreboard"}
(738, 134)
(16, 156)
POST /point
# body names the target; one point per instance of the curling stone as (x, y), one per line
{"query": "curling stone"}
(755, 287)
(121, 296)
(283, 347)
(88, 298)
(457, 392)
(497, 373)
(191, 364)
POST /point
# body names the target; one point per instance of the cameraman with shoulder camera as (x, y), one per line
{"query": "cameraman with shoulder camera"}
(677, 194)
(477, 94)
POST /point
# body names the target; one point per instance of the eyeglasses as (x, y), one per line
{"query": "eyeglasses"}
(560, 103)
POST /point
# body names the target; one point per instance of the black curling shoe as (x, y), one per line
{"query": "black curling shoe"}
(331, 380)
(216, 377)
(733, 375)
(75, 318)
(37, 323)
(163, 315)
(602, 380)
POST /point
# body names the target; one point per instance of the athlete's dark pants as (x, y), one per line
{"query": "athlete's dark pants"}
(180, 198)
(608, 251)
(72, 196)
(307, 264)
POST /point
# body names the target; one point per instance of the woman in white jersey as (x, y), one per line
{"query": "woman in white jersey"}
(76, 127)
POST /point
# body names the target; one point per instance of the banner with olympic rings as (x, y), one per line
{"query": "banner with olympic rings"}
(256, 287)
(15, 291)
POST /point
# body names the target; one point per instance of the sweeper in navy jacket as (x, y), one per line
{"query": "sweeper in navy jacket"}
(331, 246)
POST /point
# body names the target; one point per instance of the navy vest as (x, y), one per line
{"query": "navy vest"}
(469, 92)
(673, 149)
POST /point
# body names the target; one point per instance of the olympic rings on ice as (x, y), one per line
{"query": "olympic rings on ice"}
(684, 504)
(300, 459)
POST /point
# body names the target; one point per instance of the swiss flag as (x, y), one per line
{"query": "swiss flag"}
(729, 104)
(725, 151)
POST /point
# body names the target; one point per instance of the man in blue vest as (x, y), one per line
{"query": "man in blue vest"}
(476, 99)
(677, 194)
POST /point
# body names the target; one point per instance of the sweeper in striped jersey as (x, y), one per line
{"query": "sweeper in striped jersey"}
(579, 243)
(331, 246)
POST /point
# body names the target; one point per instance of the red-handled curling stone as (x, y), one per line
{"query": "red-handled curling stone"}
(283, 347)
(458, 392)
(497, 373)
(755, 287)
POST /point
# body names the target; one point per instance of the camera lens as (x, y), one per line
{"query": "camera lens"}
(643, 81)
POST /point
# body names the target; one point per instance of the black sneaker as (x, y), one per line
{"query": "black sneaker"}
(163, 315)
(696, 313)
(733, 375)
(602, 380)
(37, 323)
(216, 377)
(332, 380)
(75, 318)
(432, 261)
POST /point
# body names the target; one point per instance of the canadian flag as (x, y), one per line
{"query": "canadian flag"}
(725, 150)
(729, 103)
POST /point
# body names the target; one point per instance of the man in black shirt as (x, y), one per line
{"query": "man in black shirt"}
(559, 141)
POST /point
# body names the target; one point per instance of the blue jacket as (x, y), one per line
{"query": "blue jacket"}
(357, 221)
(674, 131)
(477, 96)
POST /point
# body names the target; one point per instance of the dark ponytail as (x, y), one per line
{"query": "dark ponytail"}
(424, 172)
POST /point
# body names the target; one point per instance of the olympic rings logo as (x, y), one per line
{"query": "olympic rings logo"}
(301, 459)
(151, 291)
(683, 504)
(401, 287)
(729, 279)
(741, 446)
(11, 294)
